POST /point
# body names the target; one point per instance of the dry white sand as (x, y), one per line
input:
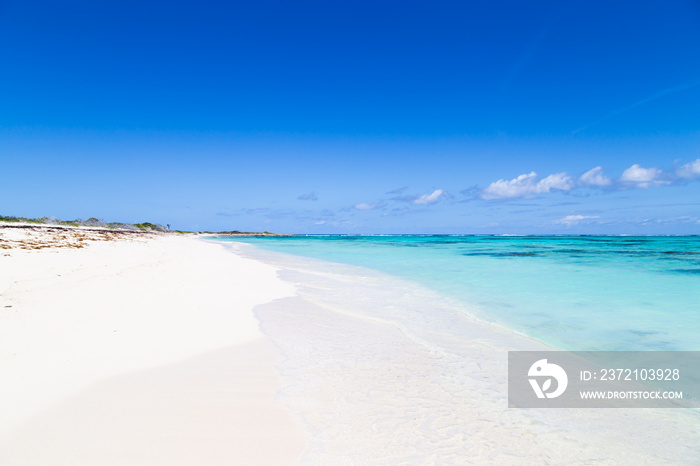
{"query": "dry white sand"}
(136, 349)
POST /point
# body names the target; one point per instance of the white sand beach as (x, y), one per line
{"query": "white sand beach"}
(136, 349)
(147, 349)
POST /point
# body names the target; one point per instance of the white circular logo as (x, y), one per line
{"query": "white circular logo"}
(545, 371)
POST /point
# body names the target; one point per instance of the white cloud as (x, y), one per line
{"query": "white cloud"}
(689, 170)
(560, 181)
(642, 177)
(432, 198)
(520, 186)
(365, 206)
(527, 185)
(636, 176)
(595, 177)
(574, 219)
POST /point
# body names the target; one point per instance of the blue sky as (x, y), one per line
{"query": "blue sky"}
(354, 117)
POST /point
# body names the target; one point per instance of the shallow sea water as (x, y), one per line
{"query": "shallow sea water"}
(393, 368)
(574, 292)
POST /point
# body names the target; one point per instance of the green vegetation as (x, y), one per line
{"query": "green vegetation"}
(91, 222)
(11, 218)
(150, 226)
(144, 226)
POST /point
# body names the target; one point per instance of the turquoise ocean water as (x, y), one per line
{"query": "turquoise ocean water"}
(573, 292)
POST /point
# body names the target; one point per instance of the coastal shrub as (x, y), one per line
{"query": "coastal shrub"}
(73, 223)
(93, 222)
(12, 218)
(121, 226)
(150, 226)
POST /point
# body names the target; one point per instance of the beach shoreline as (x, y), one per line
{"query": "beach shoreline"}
(386, 371)
(90, 319)
(178, 349)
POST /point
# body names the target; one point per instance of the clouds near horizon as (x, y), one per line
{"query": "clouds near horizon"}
(570, 220)
(595, 177)
(636, 176)
(432, 198)
(689, 170)
(642, 177)
(526, 185)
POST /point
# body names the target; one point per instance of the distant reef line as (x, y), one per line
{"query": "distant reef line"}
(246, 233)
